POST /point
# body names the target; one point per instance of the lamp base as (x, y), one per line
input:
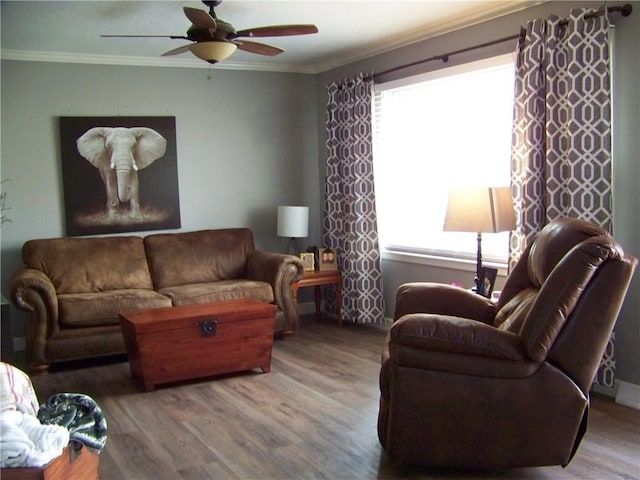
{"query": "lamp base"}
(294, 247)
(476, 289)
(477, 280)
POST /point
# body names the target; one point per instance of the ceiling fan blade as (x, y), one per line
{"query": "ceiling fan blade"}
(178, 51)
(200, 18)
(259, 48)
(146, 36)
(276, 31)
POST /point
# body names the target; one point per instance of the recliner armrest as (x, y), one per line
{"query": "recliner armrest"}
(441, 299)
(442, 344)
(455, 335)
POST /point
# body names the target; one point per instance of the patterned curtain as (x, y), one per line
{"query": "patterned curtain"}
(350, 221)
(561, 143)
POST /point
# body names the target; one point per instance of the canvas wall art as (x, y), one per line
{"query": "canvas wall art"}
(120, 174)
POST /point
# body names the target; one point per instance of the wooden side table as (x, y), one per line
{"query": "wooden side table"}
(317, 279)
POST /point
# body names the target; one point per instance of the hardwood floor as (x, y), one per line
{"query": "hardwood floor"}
(313, 416)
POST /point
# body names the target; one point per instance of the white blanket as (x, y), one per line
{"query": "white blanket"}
(16, 390)
(15, 445)
(24, 441)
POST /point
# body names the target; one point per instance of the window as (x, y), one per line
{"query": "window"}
(432, 132)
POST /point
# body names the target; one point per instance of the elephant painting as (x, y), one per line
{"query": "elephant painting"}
(119, 153)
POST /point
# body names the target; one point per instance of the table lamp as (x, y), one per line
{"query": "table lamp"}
(480, 210)
(293, 222)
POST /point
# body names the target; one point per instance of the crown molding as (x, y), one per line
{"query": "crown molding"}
(61, 57)
(501, 9)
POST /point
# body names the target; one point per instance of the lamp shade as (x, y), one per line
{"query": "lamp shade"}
(293, 221)
(213, 52)
(480, 210)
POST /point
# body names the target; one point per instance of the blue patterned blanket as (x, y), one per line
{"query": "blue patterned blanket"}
(80, 414)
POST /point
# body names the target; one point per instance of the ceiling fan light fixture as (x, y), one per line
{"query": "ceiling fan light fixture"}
(214, 51)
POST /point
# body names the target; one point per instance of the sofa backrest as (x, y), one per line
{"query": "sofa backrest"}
(198, 257)
(85, 265)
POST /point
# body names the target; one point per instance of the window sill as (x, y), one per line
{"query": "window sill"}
(451, 263)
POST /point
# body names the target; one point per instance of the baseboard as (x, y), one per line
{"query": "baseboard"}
(628, 394)
(602, 390)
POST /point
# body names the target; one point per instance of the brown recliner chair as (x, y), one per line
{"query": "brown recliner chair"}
(467, 383)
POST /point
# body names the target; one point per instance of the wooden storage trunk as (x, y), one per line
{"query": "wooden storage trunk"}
(192, 341)
(76, 462)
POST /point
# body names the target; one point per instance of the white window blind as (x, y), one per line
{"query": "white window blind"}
(435, 131)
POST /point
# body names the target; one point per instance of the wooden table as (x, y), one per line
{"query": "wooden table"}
(191, 341)
(318, 279)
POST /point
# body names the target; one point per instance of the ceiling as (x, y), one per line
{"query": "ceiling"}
(349, 30)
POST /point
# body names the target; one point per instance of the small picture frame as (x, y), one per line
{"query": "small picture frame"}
(308, 261)
(328, 259)
(313, 249)
(487, 281)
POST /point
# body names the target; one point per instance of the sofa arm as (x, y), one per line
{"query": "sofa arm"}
(280, 271)
(441, 299)
(32, 291)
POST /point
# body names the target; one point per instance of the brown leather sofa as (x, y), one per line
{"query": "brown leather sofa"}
(472, 384)
(73, 288)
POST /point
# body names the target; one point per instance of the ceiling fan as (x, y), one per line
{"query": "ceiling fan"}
(213, 39)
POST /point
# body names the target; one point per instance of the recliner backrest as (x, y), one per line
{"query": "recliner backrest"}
(544, 252)
(544, 298)
(537, 262)
(580, 345)
(561, 292)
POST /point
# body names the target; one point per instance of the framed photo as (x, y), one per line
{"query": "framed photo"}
(328, 259)
(308, 260)
(313, 249)
(138, 192)
(487, 281)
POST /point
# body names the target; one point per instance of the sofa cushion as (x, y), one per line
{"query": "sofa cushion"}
(218, 291)
(99, 309)
(198, 257)
(86, 265)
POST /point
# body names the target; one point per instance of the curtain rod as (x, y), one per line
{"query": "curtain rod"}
(625, 10)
